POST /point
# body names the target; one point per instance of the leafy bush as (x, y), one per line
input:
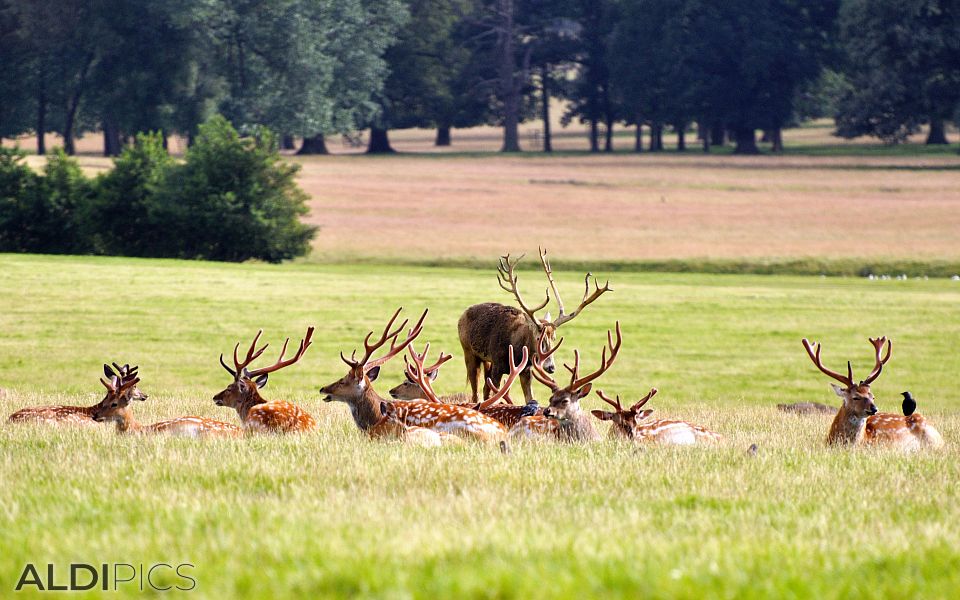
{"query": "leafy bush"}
(231, 199)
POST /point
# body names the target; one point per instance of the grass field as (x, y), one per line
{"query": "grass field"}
(333, 513)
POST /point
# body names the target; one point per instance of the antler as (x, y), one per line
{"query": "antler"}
(420, 375)
(588, 298)
(645, 399)
(515, 369)
(541, 355)
(281, 363)
(616, 405)
(121, 386)
(427, 370)
(878, 367)
(508, 281)
(365, 363)
(577, 382)
(252, 355)
(814, 353)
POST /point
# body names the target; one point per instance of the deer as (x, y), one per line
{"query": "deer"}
(858, 421)
(488, 329)
(563, 419)
(632, 424)
(257, 414)
(81, 415)
(116, 408)
(409, 389)
(508, 414)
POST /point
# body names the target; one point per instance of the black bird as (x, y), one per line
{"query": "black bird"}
(530, 409)
(909, 404)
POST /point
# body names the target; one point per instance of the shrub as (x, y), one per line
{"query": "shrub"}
(232, 199)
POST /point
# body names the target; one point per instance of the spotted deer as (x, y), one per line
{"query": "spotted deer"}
(632, 424)
(564, 420)
(256, 413)
(409, 389)
(117, 409)
(487, 330)
(82, 415)
(858, 421)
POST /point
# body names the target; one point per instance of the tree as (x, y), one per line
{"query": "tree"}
(902, 76)
(591, 97)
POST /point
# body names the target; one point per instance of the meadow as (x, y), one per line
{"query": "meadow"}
(333, 513)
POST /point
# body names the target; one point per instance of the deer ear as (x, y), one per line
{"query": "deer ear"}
(433, 374)
(584, 391)
(839, 391)
(602, 415)
(108, 371)
(644, 414)
(373, 373)
(383, 407)
(547, 317)
(262, 380)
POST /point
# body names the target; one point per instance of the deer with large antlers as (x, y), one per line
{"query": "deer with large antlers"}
(409, 389)
(116, 376)
(564, 419)
(488, 329)
(633, 424)
(858, 422)
(257, 414)
(116, 408)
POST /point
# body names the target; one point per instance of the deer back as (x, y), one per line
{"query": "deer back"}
(489, 328)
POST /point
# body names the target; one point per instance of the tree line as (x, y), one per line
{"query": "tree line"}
(311, 69)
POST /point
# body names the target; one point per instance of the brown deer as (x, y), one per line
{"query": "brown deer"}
(116, 408)
(488, 329)
(83, 415)
(632, 424)
(409, 389)
(564, 420)
(257, 414)
(858, 422)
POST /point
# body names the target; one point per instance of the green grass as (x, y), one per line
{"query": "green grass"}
(335, 514)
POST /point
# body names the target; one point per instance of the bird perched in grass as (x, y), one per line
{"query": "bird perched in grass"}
(909, 404)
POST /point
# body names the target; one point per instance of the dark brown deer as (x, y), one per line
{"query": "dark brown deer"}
(487, 330)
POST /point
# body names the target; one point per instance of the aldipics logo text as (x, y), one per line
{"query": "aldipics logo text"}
(108, 577)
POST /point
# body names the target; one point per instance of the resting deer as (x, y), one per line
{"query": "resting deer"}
(257, 414)
(564, 419)
(632, 424)
(488, 329)
(117, 409)
(410, 389)
(508, 414)
(858, 422)
(368, 408)
(81, 415)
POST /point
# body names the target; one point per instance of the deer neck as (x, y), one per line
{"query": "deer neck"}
(127, 422)
(577, 428)
(249, 401)
(366, 411)
(847, 428)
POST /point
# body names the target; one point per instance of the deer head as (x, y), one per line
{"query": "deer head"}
(625, 421)
(352, 387)
(121, 389)
(247, 382)
(545, 329)
(857, 398)
(565, 401)
(409, 389)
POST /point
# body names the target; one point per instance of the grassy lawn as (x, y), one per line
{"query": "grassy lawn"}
(333, 513)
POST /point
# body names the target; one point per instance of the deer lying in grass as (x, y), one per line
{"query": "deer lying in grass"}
(257, 414)
(632, 424)
(81, 415)
(488, 329)
(858, 421)
(116, 408)
(410, 389)
(564, 420)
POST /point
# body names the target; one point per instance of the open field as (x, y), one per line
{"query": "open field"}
(333, 513)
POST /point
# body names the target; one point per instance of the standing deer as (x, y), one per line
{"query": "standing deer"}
(116, 408)
(257, 414)
(488, 329)
(82, 415)
(564, 420)
(858, 422)
(632, 424)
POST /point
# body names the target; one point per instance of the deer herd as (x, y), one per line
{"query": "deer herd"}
(500, 342)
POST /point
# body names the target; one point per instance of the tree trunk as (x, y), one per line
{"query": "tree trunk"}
(766, 137)
(68, 125)
(313, 145)
(638, 139)
(704, 136)
(776, 139)
(656, 137)
(718, 134)
(112, 144)
(443, 136)
(379, 142)
(681, 138)
(594, 136)
(287, 142)
(509, 90)
(608, 141)
(41, 122)
(938, 133)
(545, 98)
(746, 141)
